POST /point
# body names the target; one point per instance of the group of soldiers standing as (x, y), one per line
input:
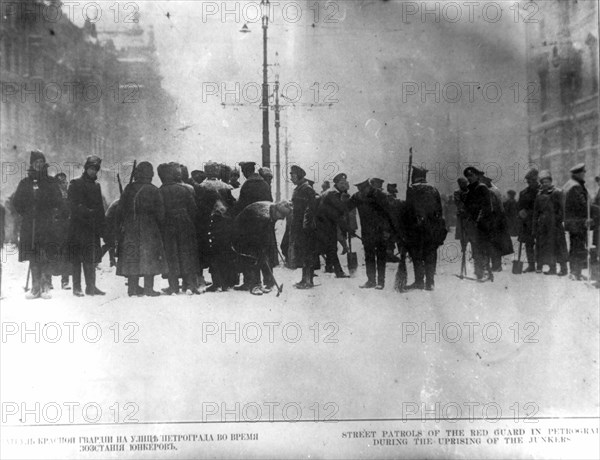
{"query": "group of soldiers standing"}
(193, 223)
(540, 217)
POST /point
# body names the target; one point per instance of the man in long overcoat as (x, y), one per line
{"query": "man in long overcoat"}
(140, 214)
(376, 222)
(479, 222)
(426, 228)
(179, 232)
(525, 206)
(61, 264)
(86, 227)
(332, 215)
(302, 226)
(512, 213)
(36, 200)
(576, 219)
(548, 227)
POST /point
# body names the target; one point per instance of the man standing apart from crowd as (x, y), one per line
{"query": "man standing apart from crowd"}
(576, 219)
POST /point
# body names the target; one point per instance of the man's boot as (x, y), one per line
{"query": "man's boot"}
(132, 286)
(149, 287)
(89, 272)
(77, 292)
(563, 269)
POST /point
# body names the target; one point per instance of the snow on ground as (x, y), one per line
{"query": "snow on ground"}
(362, 350)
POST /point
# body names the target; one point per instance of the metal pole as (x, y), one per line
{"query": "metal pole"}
(266, 147)
(277, 155)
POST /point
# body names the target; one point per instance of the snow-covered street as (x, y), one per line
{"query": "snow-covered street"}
(527, 343)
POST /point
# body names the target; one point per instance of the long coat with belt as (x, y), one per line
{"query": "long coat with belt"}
(37, 209)
(140, 213)
(179, 232)
(548, 227)
(87, 219)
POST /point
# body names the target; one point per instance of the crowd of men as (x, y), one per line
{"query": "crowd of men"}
(192, 224)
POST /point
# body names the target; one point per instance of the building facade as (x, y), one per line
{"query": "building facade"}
(562, 70)
(68, 91)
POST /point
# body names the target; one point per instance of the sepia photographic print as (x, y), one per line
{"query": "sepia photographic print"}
(334, 229)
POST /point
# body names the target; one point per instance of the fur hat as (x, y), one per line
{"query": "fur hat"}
(36, 155)
(144, 170)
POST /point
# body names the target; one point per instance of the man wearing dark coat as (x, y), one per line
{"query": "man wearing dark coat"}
(331, 215)
(512, 213)
(576, 219)
(86, 226)
(179, 232)
(141, 213)
(548, 227)
(253, 238)
(217, 245)
(500, 242)
(479, 222)
(525, 207)
(302, 245)
(461, 215)
(375, 224)
(253, 189)
(426, 228)
(61, 264)
(36, 200)
(205, 201)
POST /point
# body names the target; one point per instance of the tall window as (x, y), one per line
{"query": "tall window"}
(592, 43)
(543, 76)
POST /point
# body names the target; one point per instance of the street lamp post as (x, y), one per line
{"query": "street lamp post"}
(277, 153)
(266, 146)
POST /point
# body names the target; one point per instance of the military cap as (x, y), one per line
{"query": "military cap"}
(92, 162)
(295, 169)
(532, 174)
(392, 188)
(36, 155)
(362, 185)
(578, 168)
(339, 177)
(376, 182)
(471, 170)
(545, 174)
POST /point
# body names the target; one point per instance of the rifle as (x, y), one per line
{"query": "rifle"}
(120, 185)
(132, 171)
(402, 275)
